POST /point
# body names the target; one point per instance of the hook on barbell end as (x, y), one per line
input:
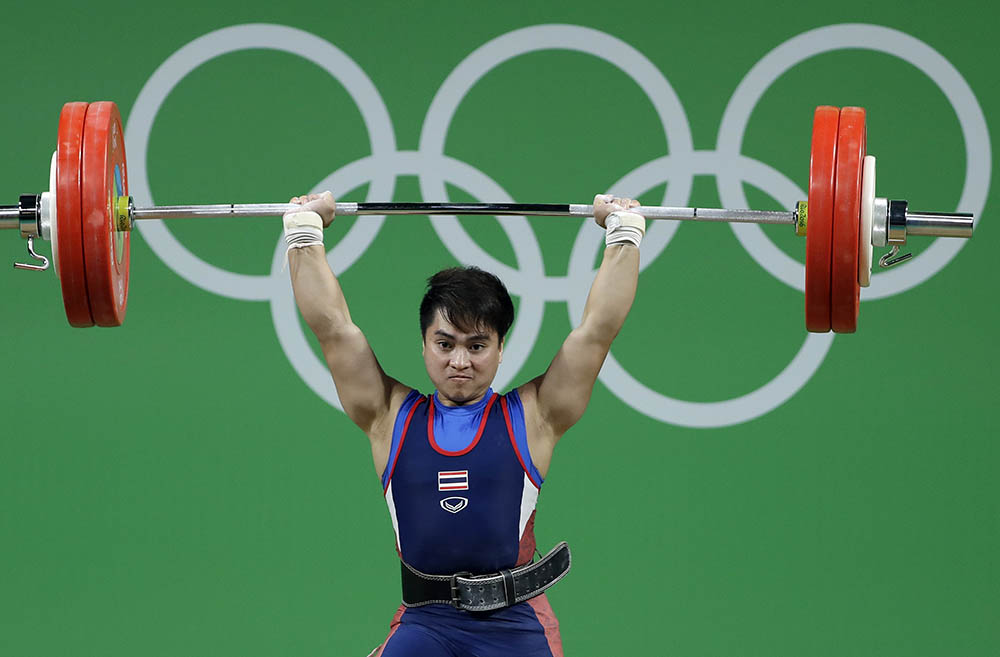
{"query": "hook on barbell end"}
(36, 256)
(890, 259)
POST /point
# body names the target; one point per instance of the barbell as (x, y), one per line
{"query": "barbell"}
(88, 216)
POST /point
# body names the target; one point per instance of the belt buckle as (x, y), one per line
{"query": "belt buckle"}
(456, 599)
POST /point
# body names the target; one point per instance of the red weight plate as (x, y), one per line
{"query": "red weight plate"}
(105, 178)
(72, 271)
(845, 292)
(819, 229)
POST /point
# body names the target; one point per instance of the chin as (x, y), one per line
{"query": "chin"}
(459, 394)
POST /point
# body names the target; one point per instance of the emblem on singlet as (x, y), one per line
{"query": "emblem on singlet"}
(454, 504)
(453, 480)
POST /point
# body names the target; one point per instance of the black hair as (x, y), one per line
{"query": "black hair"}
(469, 298)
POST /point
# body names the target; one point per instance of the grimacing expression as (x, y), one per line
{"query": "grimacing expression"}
(460, 365)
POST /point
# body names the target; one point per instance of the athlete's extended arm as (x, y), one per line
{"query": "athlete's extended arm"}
(365, 390)
(561, 394)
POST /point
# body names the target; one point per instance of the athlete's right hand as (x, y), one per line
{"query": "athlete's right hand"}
(322, 204)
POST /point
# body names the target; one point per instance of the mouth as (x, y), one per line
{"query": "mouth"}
(459, 377)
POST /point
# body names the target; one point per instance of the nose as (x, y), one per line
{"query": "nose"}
(459, 359)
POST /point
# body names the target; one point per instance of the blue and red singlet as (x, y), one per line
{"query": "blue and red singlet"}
(461, 490)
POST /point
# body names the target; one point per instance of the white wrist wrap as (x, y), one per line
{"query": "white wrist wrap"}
(624, 227)
(304, 228)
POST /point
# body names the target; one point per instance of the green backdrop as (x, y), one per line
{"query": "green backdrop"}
(183, 486)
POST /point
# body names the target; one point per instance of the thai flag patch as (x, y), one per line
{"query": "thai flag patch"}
(453, 480)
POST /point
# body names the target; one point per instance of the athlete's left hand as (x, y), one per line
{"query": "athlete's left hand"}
(605, 204)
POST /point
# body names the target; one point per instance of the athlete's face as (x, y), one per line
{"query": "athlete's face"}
(461, 365)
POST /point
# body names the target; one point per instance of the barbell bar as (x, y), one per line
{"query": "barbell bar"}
(88, 215)
(931, 224)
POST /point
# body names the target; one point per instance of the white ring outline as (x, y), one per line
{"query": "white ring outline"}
(249, 287)
(529, 40)
(572, 287)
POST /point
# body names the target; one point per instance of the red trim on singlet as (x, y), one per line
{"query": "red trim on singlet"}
(479, 434)
(394, 625)
(513, 442)
(402, 437)
(547, 619)
(526, 547)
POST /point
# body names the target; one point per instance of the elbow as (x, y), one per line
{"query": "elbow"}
(600, 331)
(331, 327)
(597, 334)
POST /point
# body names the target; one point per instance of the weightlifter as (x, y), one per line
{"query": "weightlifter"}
(465, 462)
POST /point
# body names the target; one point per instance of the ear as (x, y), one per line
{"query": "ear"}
(501, 352)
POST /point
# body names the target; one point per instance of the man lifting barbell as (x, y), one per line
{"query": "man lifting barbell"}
(486, 454)
(461, 468)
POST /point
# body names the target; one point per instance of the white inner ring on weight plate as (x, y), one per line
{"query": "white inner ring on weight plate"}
(867, 212)
(53, 213)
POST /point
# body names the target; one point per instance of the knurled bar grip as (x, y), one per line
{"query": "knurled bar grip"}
(529, 209)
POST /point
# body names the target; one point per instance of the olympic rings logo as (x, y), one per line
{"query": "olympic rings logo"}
(434, 169)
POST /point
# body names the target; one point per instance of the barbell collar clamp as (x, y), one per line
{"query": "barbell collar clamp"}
(27, 215)
(880, 223)
(897, 222)
(46, 210)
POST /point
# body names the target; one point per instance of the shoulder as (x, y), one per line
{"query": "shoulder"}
(527, 391)
(538, 433)
(527, 394)
(539, 429)
(382, 430)
(401, 398)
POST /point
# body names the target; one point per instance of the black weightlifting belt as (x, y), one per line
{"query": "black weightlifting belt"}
(485, 592)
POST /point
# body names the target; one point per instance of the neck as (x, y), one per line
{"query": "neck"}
(446, 401)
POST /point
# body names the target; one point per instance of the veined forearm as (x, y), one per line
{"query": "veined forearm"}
(612, 293)
(317, 292)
